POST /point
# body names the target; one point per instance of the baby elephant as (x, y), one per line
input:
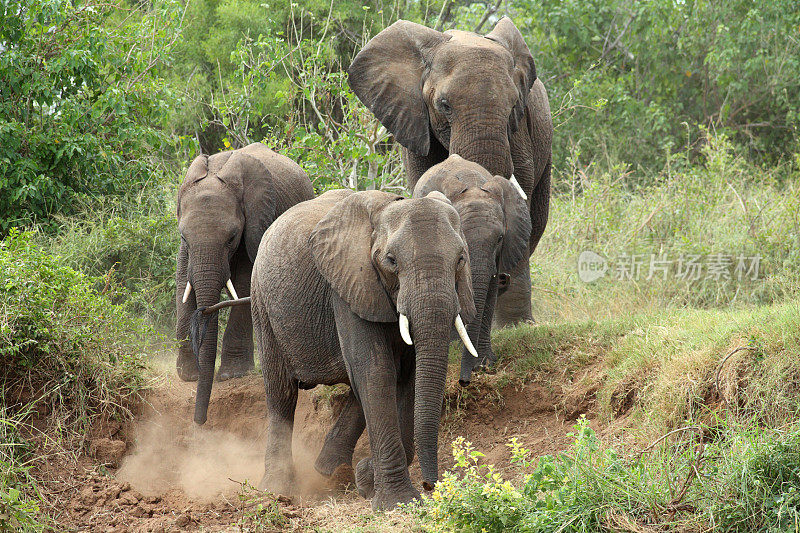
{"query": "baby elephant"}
(225, 204)
(496, 221)
(362, 288)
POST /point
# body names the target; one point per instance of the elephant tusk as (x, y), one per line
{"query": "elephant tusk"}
(231, 289)
(462, 332)
(187, 292)
(517, 186)
(404, 330)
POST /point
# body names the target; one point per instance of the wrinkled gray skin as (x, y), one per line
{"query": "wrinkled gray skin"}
(461, 93)
(329, 280)
(225, 204)
(495, 220)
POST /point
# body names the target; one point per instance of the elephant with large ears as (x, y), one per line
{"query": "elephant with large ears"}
(362, 288)
(476, 96)
(494, 217)
(225, 204)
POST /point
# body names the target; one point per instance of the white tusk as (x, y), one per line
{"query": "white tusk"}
(517, 186)
(187, 292)
(404, 329)
(462, 332)
(231, 289)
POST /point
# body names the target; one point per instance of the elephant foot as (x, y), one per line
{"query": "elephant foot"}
(386, 499)
(234, 369)
(187, 368)
(328, 462)
(365, 478)
(342, 478)
(277, 481)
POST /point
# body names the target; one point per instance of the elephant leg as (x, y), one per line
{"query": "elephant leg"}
(281, 391)
(237, 344)
(186, 363)
(370, 365)
(514, 305)
(365, 474)
(416, 165)
(342, 438)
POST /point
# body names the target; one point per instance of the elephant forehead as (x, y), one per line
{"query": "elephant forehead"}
(418, 214)
(471, 51)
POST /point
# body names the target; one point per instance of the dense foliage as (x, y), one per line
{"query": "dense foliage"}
(747, 482)
(103, 99)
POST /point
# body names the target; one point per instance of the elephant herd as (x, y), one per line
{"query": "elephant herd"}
(369, 288)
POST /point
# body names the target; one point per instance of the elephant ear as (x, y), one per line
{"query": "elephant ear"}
(518, 225)
(196, 171)
(507, 34)
(341, 244)
(246, 173)
(387, 76)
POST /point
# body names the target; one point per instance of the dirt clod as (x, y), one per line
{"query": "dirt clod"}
(108, 451)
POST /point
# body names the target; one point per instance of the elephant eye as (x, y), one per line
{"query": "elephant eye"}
(500, 239)
(444, 105)
(390, 259)
(461, 262)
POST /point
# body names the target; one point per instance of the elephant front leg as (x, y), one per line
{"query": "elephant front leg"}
(368, 356)
(186, 363)
(237, 344)
(514, 305)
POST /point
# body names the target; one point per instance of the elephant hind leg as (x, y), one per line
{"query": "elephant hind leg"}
(342, 438)
(281, 391)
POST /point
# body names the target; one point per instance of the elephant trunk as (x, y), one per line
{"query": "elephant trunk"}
(482, 272)
(207, 284)
(484, 141)
(431, 323)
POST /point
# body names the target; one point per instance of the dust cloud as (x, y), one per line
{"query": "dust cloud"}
(171, 454)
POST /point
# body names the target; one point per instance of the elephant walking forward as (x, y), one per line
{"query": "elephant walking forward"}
(362, 288)
(476, 96)
(225, 204)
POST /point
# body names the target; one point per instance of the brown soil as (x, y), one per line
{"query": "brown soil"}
(162, 473)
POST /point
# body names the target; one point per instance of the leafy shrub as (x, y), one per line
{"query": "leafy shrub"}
(747, 482)
(63, 343)
(81, 113)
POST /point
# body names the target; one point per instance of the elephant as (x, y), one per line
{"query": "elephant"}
(224, 205)
(362, 288)
(495, 220)
(476, 96)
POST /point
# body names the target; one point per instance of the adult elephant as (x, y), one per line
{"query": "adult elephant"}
(225, 203)
(461, 93)
(494, 218)
(362, 288)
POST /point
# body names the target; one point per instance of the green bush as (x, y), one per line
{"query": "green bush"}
(746, 480)
(82, 110)
(63, 343)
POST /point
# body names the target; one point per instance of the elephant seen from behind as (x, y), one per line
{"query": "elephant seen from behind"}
(225, 203)
(476, 96)
(362, 288)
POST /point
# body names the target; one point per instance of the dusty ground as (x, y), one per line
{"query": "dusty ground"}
(161, 473)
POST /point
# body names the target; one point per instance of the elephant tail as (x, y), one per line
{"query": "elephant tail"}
(198, 324)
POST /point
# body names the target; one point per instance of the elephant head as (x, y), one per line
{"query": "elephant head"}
(461, 90)
(405, 261)
(224, 205)
(495, 219)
